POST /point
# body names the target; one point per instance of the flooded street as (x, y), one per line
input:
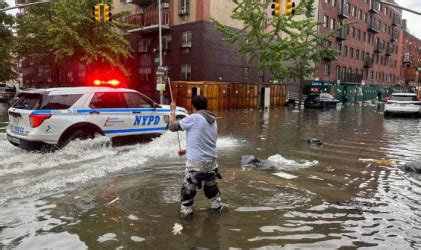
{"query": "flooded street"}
(92, 195)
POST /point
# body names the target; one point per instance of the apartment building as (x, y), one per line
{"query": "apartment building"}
(192, 49)
(370, 49)
(411, 58)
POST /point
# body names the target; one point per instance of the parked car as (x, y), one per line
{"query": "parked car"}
(320, 100)
(7, 93)
(402, 103)
(49, 118)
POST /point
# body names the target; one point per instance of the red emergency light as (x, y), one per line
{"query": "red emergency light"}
(112, 82)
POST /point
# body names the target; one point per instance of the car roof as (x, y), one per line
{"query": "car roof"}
(405, 94)
(76, 90)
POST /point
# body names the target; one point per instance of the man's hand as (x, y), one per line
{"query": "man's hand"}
(182, 152)
(173, 106)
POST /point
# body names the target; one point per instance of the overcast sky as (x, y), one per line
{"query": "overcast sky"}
(413, 19)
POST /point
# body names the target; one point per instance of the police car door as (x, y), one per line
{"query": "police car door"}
(109, 111)
(145, 118)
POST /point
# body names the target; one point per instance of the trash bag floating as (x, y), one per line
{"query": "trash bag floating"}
(314, 142)
(411, 167)
(274, 162)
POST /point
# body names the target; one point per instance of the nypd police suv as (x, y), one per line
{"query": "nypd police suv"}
(49, 118)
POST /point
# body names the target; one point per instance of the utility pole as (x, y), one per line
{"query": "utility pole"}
(160, 77)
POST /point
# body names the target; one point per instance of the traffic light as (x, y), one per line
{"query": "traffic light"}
(96, 11)
(276, 7)
(289, 8)
(107, 13)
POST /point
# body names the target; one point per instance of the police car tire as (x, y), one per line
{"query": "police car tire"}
(80, 134)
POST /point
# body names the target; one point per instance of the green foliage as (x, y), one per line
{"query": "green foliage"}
(64, 32)
(6, 38)
(288, 47)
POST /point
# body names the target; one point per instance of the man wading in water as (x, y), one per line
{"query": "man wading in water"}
(201, 165)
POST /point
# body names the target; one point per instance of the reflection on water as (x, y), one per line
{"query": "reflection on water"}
(93, 195)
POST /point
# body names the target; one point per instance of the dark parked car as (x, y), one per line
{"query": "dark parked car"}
(7, 93)
(320, 100)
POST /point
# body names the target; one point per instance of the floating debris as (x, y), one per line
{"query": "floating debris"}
(111, 202)
(314, 142)
(381, 162)
(133, 217)
(330, 169)
(285, 175)
(137, 238)
(177, 229)
(107, 237)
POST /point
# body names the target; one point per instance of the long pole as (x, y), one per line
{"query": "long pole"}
(161, 94)
(172, 99)
(400, 7)
(25, 5)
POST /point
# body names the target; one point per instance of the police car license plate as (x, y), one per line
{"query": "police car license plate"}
(17, 129)
(13, 139)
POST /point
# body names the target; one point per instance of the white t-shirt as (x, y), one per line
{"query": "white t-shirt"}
(201, 137)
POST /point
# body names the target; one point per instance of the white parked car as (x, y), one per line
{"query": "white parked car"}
(44, 118)
(402, 103)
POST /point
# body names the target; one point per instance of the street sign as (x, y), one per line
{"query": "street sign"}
(161, 71)
(160, 87)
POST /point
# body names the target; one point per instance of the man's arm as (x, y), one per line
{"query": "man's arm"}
(173, 123)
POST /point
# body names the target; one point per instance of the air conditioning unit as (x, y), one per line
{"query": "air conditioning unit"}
(165, 5)
(183, 12)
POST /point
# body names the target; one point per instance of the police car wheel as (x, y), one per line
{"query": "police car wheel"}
(81, 135)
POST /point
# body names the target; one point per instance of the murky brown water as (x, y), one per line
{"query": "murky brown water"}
(91, 195)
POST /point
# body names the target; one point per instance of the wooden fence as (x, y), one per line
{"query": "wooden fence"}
(226, 96)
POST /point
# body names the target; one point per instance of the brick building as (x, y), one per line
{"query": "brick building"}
(411, 58)
(370, 49)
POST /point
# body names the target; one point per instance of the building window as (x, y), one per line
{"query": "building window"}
(365, 17)
(186, 72)
(332, 23)
(145, 73)
(325, 21)
(360, 14)
(345, 50)
(186, 39)
(357, 54)
(365, 36)
(385, 11)
(371, 75)
(184, 7)
(354, 11)
(333, 3)
(353, 32)
(326, 69)
(351, 52)
(348, 7)
(144, 45)
(359, 35)
(166, 42)
(338, 72)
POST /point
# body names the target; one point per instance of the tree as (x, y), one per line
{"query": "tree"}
(63, 32)
(288, 47)
(6, 38)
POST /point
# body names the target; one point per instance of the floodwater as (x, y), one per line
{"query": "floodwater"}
(91, 195)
